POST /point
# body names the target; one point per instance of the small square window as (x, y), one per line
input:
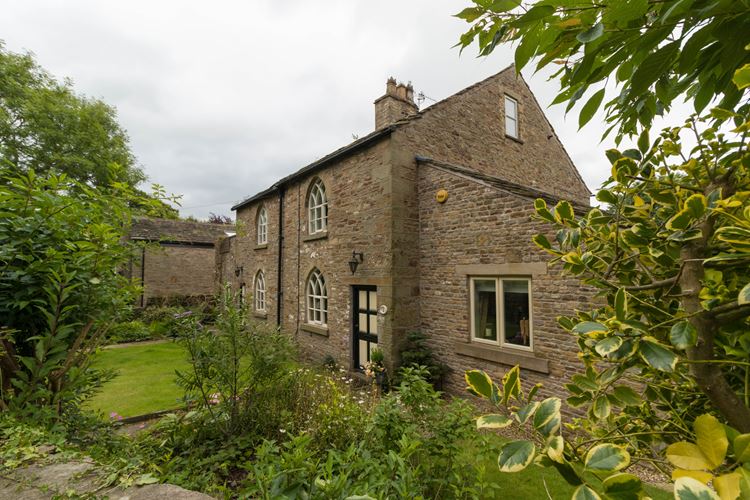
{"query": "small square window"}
(511, 117)
(501, 311)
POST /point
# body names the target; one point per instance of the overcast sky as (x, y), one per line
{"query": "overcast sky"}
(221, 98)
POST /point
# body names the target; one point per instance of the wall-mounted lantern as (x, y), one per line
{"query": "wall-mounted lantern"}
(357, 259)
(238, 271)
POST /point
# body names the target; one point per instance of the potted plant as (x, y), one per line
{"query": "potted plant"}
(376, 368)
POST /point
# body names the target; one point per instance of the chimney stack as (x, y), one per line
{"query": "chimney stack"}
(397, 103)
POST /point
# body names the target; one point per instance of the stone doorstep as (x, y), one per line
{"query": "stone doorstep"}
(43, 481)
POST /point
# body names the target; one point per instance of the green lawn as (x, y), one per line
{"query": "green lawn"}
(145, 380)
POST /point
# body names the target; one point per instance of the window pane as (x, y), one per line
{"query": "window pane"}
(363, 323)
(373, 324)
(510, 127)
(516, 309)
(510, 107)
(362, 299)
(485, 302)
(363, 352)
(373, 301)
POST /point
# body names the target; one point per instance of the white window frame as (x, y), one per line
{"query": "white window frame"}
(500, 312)
(262, 226)
(512, 117)
(317, 299)
(260, 292)
(317, 208)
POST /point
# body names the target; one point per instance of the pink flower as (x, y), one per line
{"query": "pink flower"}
(115, 416)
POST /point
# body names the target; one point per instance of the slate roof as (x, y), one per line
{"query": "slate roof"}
(177, 231)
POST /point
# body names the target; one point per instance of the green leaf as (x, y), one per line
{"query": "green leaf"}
(683, 335)
(542, 211)
(742, 77)
(696, 205)
(479, 382)
(591, 34)
(657, 355)
(606, 196)
(607, 346)
(652, 67)
(681, 220)
(606, 457)
(555, 448)
(470, 14)
(711, 439)
(643, 140)
(548, 409)
(623, 486)
(583, 492)
(687, 488)
(563, 211)
(622, 12)
(621, 304)
(589, 327)
(744, 296)
(493, 421)
(516, 456)
(542, 242)
(146, 479)
(687, 456)
(626, 395)
(511, 384)
(742, 448)
(590, 108)
(526, 411)
(601, 407)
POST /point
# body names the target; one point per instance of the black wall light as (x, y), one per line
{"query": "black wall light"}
(238, 271)
(357, 259)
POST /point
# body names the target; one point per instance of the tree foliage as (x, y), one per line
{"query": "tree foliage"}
(653, 51)
(61, 246)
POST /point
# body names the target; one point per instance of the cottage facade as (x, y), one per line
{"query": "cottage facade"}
(424, 224)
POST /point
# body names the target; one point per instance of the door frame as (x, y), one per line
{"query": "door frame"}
(355, 333)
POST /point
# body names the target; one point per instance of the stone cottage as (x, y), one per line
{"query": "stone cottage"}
(177, 258)
(423, 224)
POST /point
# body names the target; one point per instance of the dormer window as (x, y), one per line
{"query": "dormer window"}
(511, 117)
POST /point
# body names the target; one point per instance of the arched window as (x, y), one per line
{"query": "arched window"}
(317, 208)
(262, 226)
(260, 292)
(317, 299)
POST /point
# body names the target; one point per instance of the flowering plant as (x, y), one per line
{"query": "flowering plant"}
(375, 365)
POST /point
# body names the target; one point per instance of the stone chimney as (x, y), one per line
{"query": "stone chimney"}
(397, 103)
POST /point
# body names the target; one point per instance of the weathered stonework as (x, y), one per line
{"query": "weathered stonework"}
(420, 253)
(177, 257)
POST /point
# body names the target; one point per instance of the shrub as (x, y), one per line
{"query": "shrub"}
(129, 331)
(415, 352)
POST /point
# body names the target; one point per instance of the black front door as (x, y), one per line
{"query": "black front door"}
(364, 323)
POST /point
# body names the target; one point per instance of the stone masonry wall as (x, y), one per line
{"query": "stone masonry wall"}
(480, 230)
(468, 129)
(359, 191)
(173, 270)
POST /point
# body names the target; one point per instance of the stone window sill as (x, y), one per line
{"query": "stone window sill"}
(315, 236)
(260, 315)
(516, 139)
(316, 329)
(261, 246)
(506, 356)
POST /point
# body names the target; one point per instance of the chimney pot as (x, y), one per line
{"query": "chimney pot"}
(396, 104)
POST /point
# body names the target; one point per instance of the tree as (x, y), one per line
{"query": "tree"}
(219, 219)
(667, 250)
(46, 127)
(653, 51)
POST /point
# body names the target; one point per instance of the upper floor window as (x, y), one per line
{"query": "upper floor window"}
(501, 311)
(317, 299)
(262, 226)
(317, 208)
(511, 117)
(260, 292)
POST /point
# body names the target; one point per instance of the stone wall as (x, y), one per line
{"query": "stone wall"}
(468, 129)
(359, 191)
(175, 270)
(480, 230)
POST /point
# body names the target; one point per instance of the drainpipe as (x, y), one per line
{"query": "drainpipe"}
(143, 275)
(279, 291)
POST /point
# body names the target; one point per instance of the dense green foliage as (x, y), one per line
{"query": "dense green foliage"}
(46, 127)
(60, 249)
(649, 52)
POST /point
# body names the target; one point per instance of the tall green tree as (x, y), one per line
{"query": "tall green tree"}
(46, 127)
(650, 52)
